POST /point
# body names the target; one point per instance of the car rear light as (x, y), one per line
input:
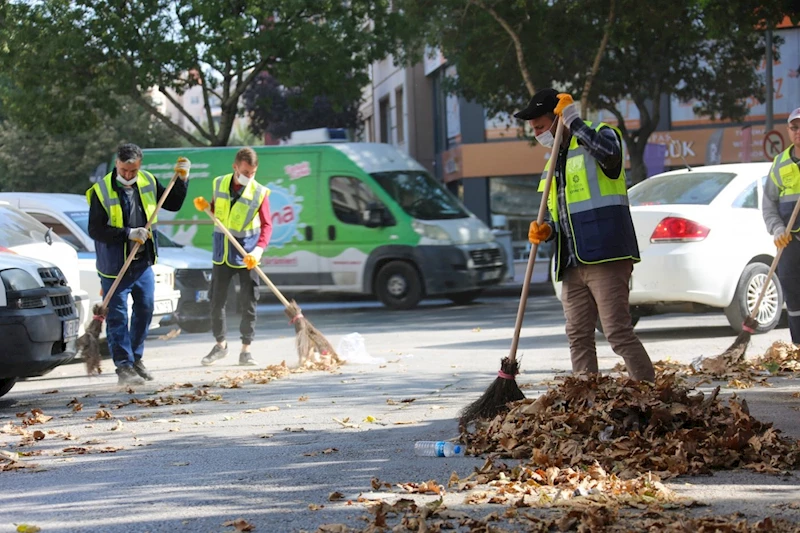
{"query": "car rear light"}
(4, 249)
(676, 229)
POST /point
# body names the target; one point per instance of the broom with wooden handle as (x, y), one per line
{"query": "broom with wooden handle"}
(504, 389)
(308, 338)
(88, 343)
(736, 351)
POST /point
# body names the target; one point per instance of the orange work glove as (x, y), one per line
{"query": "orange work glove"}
(782, 239)
(201, 204)
(537, 233)
(564, 100)
(250, 261)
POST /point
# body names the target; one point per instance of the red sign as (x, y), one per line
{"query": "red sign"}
(773, 144)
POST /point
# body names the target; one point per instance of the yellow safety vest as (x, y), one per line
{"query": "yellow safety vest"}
(108, 260)
(785, 173)
(240, 218)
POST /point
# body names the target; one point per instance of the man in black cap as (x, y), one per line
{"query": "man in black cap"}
(591, 220)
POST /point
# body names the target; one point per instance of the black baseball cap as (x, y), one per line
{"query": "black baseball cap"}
(543, 102)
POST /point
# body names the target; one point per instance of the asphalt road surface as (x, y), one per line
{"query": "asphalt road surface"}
(272, 453)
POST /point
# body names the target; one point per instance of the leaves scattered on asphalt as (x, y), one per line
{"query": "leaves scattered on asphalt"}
(240, 524)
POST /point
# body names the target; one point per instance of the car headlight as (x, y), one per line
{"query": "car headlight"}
(432, 232)
(16, 279)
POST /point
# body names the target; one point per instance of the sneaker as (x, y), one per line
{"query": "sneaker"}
(245, 359)
(215, 355)
(128, 376)
(140, 369)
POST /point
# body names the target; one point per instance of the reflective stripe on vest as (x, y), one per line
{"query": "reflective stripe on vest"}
(785, 173)
(587, 186)
(241, 218)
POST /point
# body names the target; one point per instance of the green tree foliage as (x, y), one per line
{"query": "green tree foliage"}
(67, 56)
(39, 161)
(693, 49)
(279, 110)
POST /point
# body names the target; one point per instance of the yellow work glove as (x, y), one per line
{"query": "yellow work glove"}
(182, 168)
(537, 233)
(782, 239)
(139, 235)
(564, 100)
(567, 109)
(201, 204)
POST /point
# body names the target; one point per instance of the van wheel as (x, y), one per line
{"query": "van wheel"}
(464, 298)
(744, 299)
(398, 285)
(6, 384)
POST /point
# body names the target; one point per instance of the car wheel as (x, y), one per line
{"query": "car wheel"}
(398, 285)
(6, 384)
(464, 298)
(744, 299)
(195, 325)
(634, 320)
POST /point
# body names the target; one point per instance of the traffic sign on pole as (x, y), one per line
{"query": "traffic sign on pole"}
(773, 144)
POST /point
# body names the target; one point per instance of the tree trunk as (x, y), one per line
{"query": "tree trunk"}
(638, 170)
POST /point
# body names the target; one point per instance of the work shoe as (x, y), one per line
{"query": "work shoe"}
(140, 369)
(245, 359)
(215, 355)
(128, 376)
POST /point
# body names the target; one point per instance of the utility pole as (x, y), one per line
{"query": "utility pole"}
(770, 87)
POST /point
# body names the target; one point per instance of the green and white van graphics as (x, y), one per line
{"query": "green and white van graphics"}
(348, 217)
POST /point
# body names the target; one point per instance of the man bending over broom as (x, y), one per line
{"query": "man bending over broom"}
(242, 205)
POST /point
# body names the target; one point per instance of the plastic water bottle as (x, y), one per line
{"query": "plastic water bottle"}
(440, 448)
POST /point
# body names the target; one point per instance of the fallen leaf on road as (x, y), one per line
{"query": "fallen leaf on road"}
(76, 405)
(27, 528)
(302, 398)
(389, 401)
(427, 487)
(54, 391)
(240, 524)
(405, 422)
(170, 334)
(295, 430)
(118, 425)
(335, 496)
(37, 417)
(370, 419)
(476, 330)
(38, 435)
(102, 414)
(315, 507)
(346, 423)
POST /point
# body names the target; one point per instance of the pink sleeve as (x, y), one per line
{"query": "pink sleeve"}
(266, 224)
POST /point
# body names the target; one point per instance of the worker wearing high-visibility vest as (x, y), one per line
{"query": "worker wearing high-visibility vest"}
(119, 206)
(781, 193)
(242, 205)
(589, 216)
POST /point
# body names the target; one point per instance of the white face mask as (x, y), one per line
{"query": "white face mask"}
(126, 183)
(545, 139)
(243, 180)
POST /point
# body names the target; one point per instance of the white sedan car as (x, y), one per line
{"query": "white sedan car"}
(703, 244)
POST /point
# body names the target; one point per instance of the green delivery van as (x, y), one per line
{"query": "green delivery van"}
(348, 217)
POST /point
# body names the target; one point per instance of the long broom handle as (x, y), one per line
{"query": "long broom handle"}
(136, 246)
(241, 250)
(774, 265)
(526, 283)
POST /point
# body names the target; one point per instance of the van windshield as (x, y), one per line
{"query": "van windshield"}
(81, 218)
(420, 195)
(18, 228)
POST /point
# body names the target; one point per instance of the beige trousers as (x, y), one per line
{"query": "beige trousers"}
(589, 291)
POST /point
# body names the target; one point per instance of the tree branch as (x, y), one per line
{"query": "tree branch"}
(165, 119)
(206, 103)
(179, 107)
(523, 69)
(609, 106)
(596, 64)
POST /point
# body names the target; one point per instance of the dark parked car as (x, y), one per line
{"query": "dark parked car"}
(38, 319)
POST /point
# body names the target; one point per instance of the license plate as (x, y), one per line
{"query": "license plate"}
(162, 307)
(489, 275)
(71, 328)
(201, 296)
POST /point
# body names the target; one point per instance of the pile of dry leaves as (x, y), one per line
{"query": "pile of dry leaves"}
(629, 428)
